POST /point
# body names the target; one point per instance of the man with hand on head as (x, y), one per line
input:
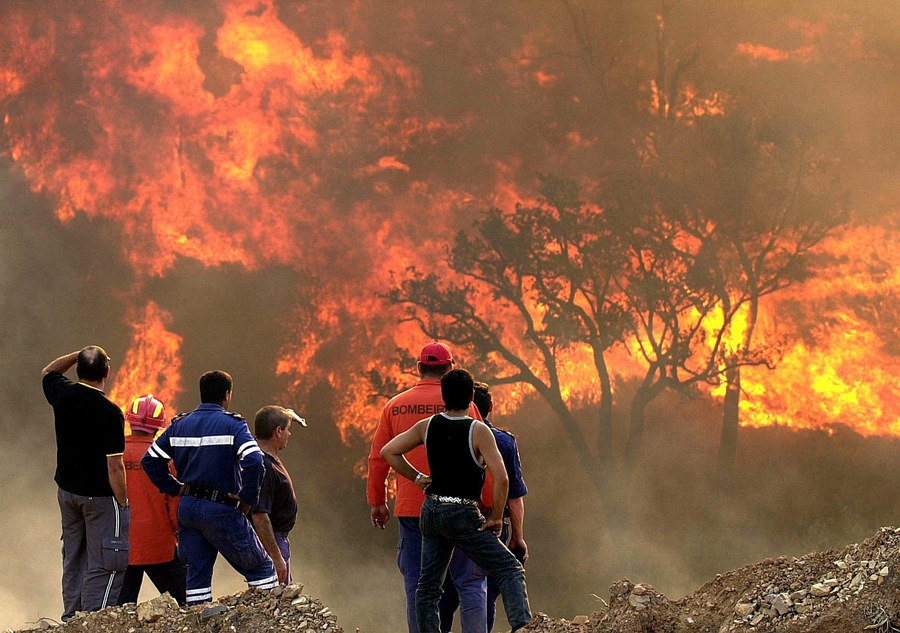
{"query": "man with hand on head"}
(90, 473)
(275, 513)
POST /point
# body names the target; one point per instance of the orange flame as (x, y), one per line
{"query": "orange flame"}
(152, 362)
(238, 145)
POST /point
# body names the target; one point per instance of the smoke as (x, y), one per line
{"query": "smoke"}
(259, 169)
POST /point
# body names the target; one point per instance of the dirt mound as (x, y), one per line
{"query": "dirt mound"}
(836, 591)
(283, 609)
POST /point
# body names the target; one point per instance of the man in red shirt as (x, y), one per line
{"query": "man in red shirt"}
(154, 523)
(400, 413)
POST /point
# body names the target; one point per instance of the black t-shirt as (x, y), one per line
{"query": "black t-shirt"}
(276, 496)
(451, 458)
(88, 428)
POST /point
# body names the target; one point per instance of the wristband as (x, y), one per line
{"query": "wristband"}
(419, 477)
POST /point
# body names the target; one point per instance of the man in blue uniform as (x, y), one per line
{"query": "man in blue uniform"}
(220, 467)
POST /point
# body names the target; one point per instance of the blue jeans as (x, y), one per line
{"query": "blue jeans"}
(448, 525)
(466, 576)
(450, 599)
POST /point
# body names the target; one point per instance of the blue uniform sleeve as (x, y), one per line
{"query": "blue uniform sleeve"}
(155, 463)
(250, 459)
(510, 452)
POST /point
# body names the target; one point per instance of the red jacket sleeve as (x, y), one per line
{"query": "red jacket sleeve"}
(376, 487)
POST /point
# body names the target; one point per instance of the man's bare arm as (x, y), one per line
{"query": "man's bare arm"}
(485, 445)
(517, 525)
(61, 364)
(395, 450)
(115, 466)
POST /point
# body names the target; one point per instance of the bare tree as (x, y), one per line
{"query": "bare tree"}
(770, 200)
(547, 272)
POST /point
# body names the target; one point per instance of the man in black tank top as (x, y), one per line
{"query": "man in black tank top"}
(459, 448)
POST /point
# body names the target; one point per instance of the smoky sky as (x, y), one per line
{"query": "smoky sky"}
(452, 106)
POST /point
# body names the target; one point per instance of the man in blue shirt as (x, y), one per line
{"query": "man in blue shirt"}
(220, 467)
(513, 533)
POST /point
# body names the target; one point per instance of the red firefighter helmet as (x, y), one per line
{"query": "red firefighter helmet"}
(146, 414)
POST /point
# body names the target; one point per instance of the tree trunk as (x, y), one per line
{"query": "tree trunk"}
(730, 425)
(591, 464)
(604, 423)
(643, 397)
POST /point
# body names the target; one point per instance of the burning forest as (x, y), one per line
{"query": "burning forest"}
(665, 231)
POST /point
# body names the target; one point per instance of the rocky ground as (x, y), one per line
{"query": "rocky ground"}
(836, 591)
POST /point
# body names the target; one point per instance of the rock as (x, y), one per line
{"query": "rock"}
(781, 605)
(154, 609)
(743, 609)
(819, 590)
(213, 611)
(638, 601)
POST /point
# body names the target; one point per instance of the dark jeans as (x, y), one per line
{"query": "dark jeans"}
(466, 577)
(166, 577)
(450, 599)
(448, 525)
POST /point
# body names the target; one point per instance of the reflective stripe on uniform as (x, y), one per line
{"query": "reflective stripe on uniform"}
(264, 583)
(248, 448)
(206, 440)
(198, 595)
(157, 452)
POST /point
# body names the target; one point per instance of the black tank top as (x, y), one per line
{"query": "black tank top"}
(455, 472)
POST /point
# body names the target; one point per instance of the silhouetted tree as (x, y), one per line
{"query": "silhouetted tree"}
(547, 271)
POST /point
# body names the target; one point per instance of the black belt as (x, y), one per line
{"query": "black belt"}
(210, 494)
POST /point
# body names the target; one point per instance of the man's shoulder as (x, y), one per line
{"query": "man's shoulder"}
(422, 400)
(204, 413)
(503, 434)
(53, 381)
(54, 376)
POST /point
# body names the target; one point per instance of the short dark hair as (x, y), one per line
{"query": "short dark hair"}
(214, 385)
(456, 389)
(93, 361)
(268, 419)
(483, 398)
(434, 371)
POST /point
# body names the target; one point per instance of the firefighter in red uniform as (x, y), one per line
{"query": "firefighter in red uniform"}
(154, 523)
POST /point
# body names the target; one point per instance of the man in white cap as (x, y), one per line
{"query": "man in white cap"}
(275, 514)
(421, 401)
